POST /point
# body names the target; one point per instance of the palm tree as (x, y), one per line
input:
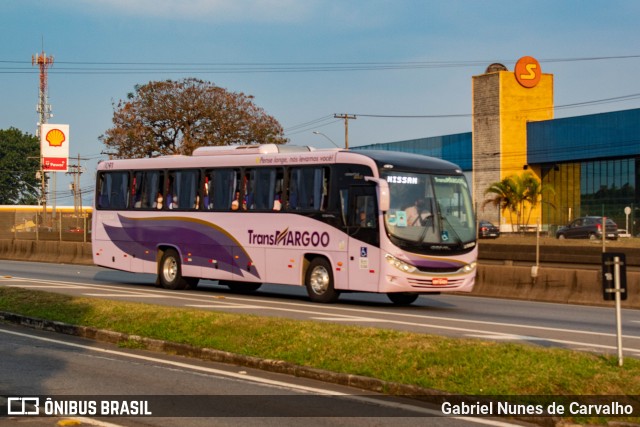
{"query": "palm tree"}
(533, 192)
(504, 196)
(515, 193)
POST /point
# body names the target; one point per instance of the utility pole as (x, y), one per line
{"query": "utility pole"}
(346, 118)
(76, 170)
(44, 112)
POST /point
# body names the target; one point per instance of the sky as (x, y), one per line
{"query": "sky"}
(305, 61)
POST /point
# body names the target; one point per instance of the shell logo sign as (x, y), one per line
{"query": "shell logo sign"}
(528, 71)
(55, 137)
(54, 147)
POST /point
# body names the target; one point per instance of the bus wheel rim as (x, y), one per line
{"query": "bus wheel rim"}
(170, 269)
(319, 280)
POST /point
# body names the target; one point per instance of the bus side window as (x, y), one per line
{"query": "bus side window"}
(308, 188)
(156, 188)
(365, 211)
(114, 190)
(183, 189)
(261, 188)
(137, 193)
(207, 191)
(221, 188)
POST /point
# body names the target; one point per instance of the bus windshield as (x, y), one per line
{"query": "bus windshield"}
(431, 211)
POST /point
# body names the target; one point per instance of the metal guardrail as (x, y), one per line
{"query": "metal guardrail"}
(31, 224)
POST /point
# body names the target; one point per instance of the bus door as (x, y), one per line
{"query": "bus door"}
(364, 238)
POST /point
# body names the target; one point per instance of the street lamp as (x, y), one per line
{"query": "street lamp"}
(330, 140)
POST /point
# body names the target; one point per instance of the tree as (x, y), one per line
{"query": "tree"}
(515, 193)
(175, 117)
(19, 163)
(504, 196)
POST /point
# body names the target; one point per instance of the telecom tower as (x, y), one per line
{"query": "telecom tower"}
(44, 113)
(43, 108)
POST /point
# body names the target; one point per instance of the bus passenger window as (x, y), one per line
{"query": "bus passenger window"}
(261, 188)
(308, 188)
(207, 201)
(114, 190)
(150, 188)
(182, 189)
(221, 189)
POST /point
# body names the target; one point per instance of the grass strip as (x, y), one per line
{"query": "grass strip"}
(459, 366)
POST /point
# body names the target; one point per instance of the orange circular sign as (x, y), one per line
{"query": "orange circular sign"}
(528, 71)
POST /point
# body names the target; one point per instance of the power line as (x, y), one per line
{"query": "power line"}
(122, 67)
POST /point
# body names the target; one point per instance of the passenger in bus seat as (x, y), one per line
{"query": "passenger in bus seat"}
(277, 203)
(159, 200)
(172, 201)
(418, 214)
(235, 205)
(248, 202)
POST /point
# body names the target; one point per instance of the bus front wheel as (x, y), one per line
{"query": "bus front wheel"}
(402, 298)
(319, 281)
(170, 271)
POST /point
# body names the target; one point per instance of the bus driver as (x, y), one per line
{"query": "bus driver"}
(417, 214)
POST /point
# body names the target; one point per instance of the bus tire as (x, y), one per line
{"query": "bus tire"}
(170, 271)
(243, 287)
(319, 281)
(402, 298)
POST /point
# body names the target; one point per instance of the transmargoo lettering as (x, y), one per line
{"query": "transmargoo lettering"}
(290, 238)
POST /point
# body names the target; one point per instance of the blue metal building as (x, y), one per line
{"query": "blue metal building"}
(592, 162)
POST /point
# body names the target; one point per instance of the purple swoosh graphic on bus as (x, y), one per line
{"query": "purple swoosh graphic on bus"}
(205, 242)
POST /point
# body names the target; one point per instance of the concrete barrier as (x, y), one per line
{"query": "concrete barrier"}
(46, 251)
(501, 280)
(558, 285)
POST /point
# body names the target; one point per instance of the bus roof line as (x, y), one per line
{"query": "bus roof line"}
(249, 149)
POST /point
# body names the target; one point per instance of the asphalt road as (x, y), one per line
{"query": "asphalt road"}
(180, 391)
(573, 327)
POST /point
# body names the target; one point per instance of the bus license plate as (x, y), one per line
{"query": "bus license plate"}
(440, 281)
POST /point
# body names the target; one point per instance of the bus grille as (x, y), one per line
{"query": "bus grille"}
(427, 283)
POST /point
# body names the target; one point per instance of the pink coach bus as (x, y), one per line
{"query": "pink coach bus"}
(331, 220)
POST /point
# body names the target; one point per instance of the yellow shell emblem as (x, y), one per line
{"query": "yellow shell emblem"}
(55, 137)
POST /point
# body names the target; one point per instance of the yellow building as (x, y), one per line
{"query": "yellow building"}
(503, 102)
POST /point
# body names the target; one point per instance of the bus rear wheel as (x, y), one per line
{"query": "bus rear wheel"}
(170, 271)
(319, 281)
(402, 298)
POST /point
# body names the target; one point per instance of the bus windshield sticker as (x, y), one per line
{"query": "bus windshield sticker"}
(401, 218)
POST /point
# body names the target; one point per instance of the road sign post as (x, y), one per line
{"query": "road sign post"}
(614, 287)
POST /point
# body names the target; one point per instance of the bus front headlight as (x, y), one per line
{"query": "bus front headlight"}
(399, 264)
(469, 267)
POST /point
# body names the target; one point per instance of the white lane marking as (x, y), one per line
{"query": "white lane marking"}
(220, 305)
(347, 319)
(120, 295)
(305, 310)
(506, 337)
(574, 344)
(47, 286)
(245, 377)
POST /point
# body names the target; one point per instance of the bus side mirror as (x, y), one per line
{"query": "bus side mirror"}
(382, 188)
